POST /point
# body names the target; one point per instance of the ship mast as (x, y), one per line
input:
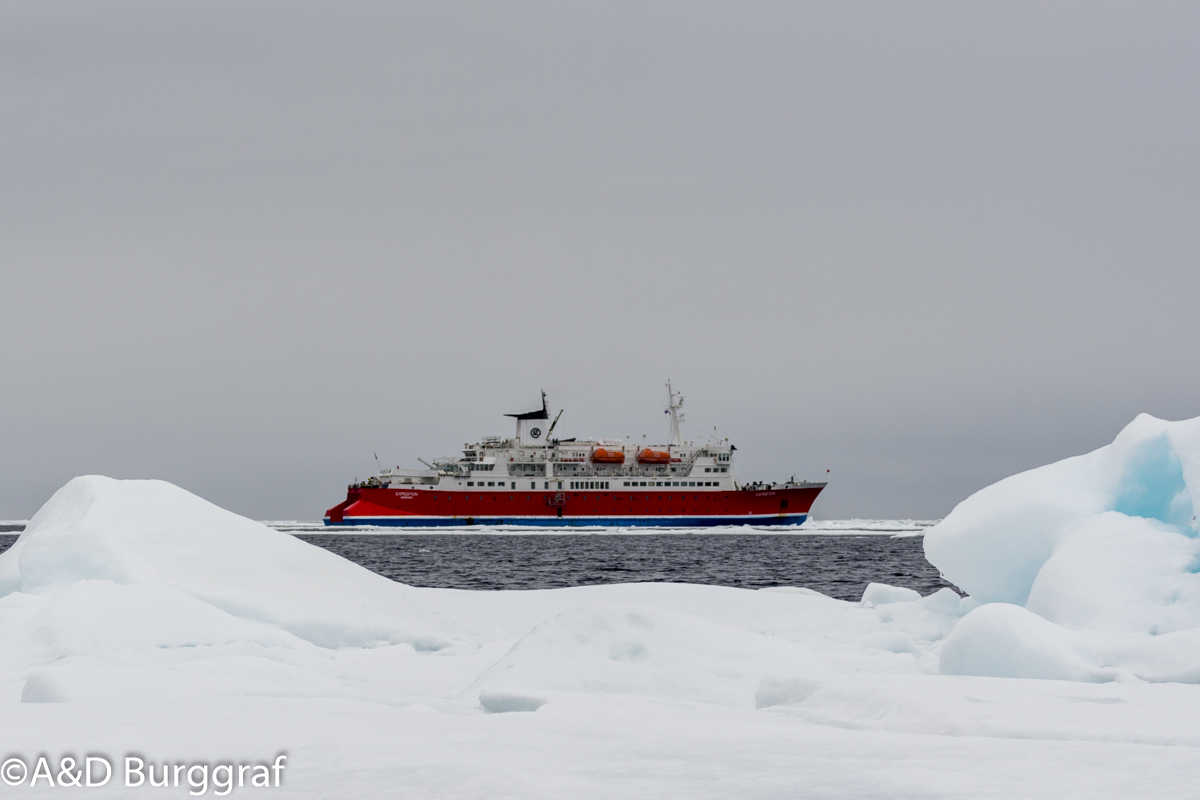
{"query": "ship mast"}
(674, 407)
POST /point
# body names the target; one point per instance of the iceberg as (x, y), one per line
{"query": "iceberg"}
(1086, 569)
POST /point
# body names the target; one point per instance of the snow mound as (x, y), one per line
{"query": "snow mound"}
(129, 564)
(1006, 641)
(1091, 565)
(880, 594)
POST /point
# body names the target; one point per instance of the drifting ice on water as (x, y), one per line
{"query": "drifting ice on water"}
(535, 479)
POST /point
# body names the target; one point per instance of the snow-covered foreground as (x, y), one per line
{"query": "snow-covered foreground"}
(139, 619)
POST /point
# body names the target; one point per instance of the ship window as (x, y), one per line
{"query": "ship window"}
(470, 483)
(643, 483)
(513, 486)
(491, 483)
(533, 484)
(724, 469)
(708, 469)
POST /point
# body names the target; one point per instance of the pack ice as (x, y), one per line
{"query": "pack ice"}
(140, 590)
(126, 601)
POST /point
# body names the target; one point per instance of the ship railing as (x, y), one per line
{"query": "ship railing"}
(450, 466)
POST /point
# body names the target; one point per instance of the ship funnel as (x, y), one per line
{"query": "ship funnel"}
(532, 426)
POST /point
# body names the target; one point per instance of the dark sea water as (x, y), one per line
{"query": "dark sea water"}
(838, 566)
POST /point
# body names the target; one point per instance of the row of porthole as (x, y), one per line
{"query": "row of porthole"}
(576, 485)
(590, 484)
(672, 483)
(618, 497)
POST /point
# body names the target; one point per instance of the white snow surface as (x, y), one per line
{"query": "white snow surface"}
(138, 618)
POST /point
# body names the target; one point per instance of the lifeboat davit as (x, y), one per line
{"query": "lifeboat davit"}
(649, 456)
(602, 456)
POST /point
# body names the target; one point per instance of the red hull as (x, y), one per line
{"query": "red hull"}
(424, 507)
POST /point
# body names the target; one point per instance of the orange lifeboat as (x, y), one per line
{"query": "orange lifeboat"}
(649, 456)
(602, 456)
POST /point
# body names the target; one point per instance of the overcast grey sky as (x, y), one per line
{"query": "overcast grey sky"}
(921, 245)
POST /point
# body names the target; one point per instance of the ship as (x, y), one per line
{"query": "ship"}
(534, 479)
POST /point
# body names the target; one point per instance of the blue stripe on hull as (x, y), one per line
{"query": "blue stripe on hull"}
(572, 522)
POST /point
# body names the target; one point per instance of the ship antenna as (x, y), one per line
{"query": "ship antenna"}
(377, 461)
(673, 409)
